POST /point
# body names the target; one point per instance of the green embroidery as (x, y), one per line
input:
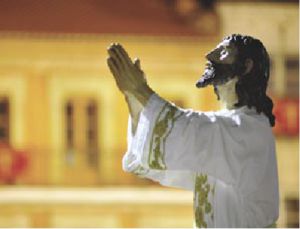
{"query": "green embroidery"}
(140, 171)
(202, 205)
(273, 225)
(162, 128)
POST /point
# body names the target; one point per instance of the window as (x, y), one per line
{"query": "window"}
(81, 164)
(92, 133)
(292, 207)
(292, 76)
(69, 116)
(284, 78)
(4, 119)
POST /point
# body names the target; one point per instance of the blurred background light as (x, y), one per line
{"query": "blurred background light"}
(63, 122)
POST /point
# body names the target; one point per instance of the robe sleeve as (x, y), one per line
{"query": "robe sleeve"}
(231, 151)
(171, 145)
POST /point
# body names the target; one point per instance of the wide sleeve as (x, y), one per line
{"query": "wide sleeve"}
(170, 142)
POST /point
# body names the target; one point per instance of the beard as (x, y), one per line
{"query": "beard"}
(218, 74)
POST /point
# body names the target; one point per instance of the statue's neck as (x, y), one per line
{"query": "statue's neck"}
(227, 94)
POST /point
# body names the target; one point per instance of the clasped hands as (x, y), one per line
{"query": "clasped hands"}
(128, 74)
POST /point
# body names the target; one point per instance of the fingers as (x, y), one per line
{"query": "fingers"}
(117, 52)
(124, 55)
(137, 63)
(128, 75)
(115, 57)
(112, 66)
(115, 72)
(114, 69)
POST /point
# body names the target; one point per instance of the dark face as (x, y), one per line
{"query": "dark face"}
(222, 65)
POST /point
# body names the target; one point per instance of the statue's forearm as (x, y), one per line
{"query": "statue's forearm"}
(143, 94)
(136, 101)
(130, 80)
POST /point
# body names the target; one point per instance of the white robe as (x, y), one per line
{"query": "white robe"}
(227, 158)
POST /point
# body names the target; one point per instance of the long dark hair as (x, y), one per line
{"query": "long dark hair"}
(251, 87)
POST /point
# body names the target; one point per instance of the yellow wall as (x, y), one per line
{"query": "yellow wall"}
(49, 70)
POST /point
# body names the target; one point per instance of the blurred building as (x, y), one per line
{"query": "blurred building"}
(61, 110)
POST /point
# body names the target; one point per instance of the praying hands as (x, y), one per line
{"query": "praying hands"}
(128, 75)
(130, 79)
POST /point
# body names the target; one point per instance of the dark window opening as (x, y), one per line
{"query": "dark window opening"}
(69, 119)
(292, 77)
(92, 133)
(292, 207)
(4, 119)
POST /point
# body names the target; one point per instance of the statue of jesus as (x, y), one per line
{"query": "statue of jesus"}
(226, 157)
